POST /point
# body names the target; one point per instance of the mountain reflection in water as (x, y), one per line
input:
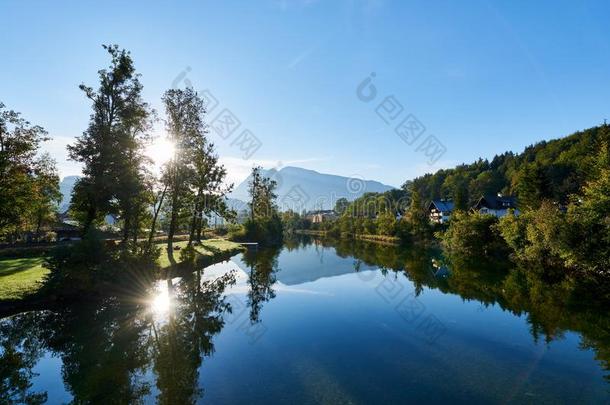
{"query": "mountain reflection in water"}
(317, 321)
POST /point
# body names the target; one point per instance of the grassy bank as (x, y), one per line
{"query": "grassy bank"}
(310, 232)
(208, 251)
(389, 240)
(20, 277)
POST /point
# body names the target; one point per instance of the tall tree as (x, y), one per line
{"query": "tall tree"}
(28, 181)
(210, 188)
(532, 186)
(194, 169)
(112, 147)
(262, 195)
(46, 180)
(416, 217)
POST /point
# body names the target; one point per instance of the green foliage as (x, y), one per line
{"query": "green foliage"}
(29, 184)
(416, 222)
(292, 221)
(92, 266)
(386, 224)
(537, 237)
(266, 231)
(115, 179)
(472, 235)
(194, 177)
(589, 220)
(341, 205)
(265, 224)
(547, 170)
(573, 243)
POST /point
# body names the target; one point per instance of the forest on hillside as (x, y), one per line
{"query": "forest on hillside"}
(551, 170)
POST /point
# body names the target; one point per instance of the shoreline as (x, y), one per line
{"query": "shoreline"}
(382, 240)
(215, 251)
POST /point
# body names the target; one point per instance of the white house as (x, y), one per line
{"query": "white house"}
(497, 206)
(439, 211)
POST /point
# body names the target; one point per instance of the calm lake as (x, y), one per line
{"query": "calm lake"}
(318, 322)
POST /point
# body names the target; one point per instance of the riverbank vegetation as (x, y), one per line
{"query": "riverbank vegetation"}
(117, 182)
(264, 225)
(561, 229)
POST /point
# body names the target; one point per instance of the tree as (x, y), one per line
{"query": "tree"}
(264, 225)
(532, 186)
(185, 128)
(209, 183)
(386, 223)
(46, 183)
(417, 218)
(341, 205)
(472, 235)
(589, 218)
(262, 195)
(28, 182)
(112, 147)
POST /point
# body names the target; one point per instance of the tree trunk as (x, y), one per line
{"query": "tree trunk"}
(38, 225)
(126, 226)
(91, 214)
(154, 221)
(193, 225)
(172, 224)
(199, 225)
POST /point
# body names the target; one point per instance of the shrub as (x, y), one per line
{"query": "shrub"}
(473, 235)
(92, 265)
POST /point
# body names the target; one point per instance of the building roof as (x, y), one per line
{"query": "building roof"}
(495, 202)
(441, 205)
(323, 212)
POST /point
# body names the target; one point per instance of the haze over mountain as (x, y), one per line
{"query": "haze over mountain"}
(300, 188)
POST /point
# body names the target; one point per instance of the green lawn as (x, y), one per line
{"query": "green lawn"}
(19, 277)
(208, 247)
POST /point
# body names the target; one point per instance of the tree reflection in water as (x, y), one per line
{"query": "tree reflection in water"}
(552, 309)
(107, 347)
(263, 265)
(110, 349)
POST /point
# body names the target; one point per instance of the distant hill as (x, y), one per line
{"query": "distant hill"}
(552, 170)
(315, 190)
(307, 189)
(65, 187)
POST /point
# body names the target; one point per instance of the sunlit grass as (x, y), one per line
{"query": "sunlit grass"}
(208, 247)
(20, 277)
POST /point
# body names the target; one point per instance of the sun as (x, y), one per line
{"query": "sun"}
(161, 151)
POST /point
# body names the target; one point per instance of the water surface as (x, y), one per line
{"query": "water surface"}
(313, 322)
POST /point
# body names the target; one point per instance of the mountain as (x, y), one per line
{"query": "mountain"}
(307, 189)
(65, 187)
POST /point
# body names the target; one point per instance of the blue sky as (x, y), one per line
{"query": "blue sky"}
(482, 76)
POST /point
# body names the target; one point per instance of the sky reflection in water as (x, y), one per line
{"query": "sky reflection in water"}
(312, 323)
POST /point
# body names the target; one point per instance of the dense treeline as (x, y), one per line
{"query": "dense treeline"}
(563, 239)
(551, 170)
(562, 230)
(390, 216)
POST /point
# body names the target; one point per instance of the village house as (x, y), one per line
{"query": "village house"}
(497, 205)
(320, 216)
(439, 211)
